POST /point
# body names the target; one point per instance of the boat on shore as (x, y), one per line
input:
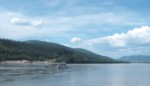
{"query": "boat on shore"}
(56, 65)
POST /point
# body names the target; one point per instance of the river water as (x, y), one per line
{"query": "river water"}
(76, 75)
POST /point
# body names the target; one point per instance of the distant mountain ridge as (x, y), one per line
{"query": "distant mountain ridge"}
(39, 50)
(136, 58)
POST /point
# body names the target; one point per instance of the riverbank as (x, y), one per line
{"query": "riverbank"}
(24, 62)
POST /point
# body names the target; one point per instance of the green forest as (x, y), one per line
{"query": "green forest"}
(34, 50)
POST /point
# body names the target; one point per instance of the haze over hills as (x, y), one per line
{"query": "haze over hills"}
(34, 50)
(136, 58)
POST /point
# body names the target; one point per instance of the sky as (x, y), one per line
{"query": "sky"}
(112, 28)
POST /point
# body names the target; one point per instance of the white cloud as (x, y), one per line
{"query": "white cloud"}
(19, 21)
(19, 27)
(136, 36)
(139, 35)
(76, 39)
(26, 22)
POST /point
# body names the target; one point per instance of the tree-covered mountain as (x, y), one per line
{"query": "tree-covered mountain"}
(34, 50)
(90, 54)
(136, 58)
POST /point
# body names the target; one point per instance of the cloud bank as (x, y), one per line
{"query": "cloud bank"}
(132, 37)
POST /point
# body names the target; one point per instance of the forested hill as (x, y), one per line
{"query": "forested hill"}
(91, 54)
(34, 50)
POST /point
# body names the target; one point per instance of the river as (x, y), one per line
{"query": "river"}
(76, 75)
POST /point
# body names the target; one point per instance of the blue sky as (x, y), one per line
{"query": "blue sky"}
(108, 27)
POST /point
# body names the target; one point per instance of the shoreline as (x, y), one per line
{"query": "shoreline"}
(47, 62)
(24, 62)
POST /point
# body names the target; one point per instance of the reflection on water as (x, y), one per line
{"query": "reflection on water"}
(14, 72)
(76, 75)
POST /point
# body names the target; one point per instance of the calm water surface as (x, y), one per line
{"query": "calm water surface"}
(76, 75)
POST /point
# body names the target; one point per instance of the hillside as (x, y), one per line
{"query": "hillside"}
(93, 55)
(34, 50)
(136, 58)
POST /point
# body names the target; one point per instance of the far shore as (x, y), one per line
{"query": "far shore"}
(30, 62)
(24, 62)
